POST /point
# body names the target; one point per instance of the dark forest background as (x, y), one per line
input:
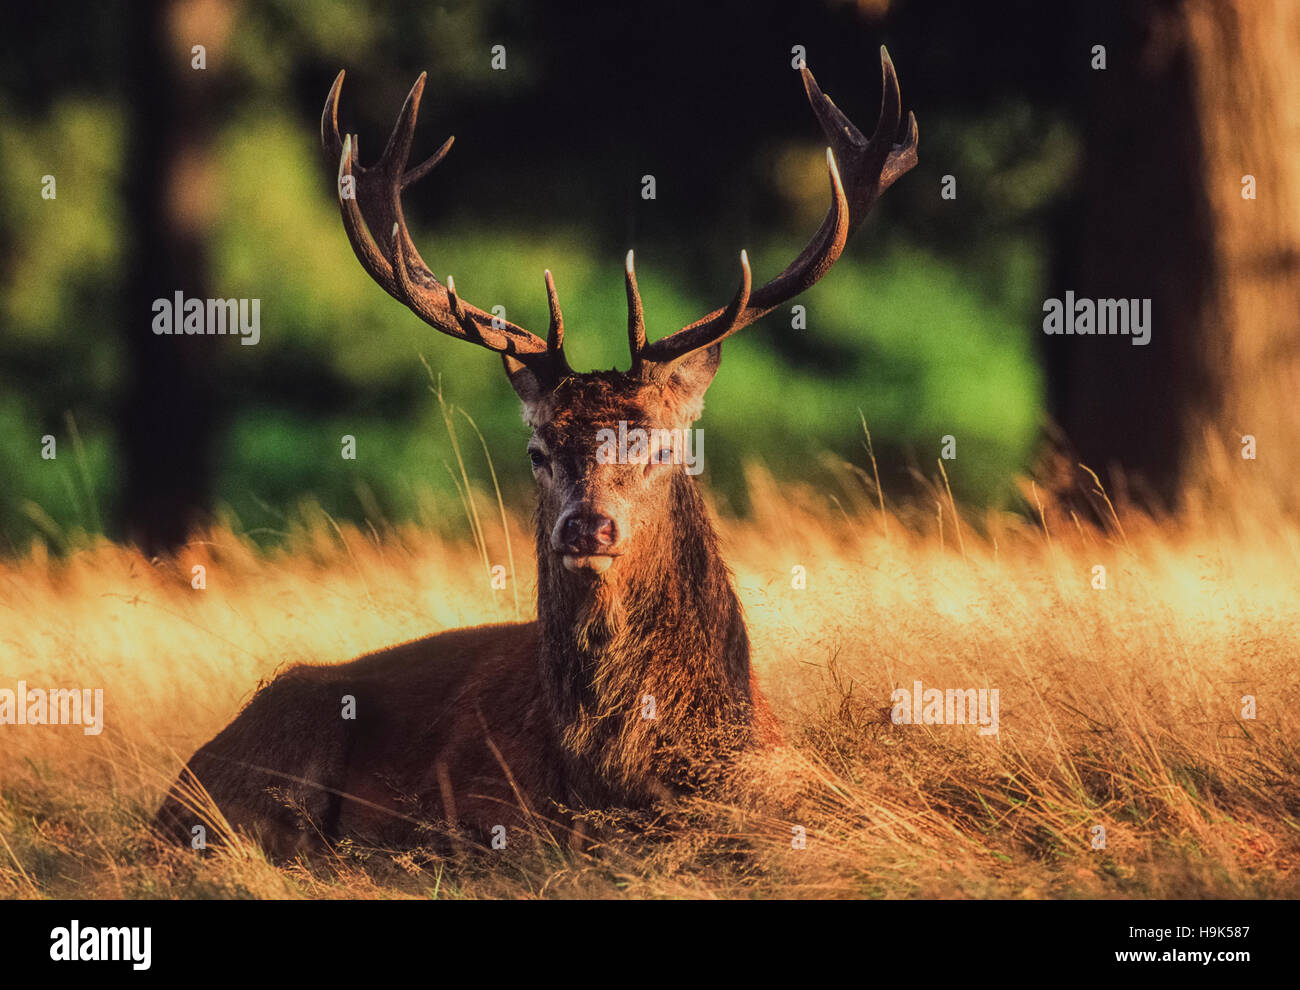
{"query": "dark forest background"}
(1123, 181)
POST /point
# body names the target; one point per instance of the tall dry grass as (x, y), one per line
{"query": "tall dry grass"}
(1119, 707)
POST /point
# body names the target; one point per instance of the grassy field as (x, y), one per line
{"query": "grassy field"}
(1120, 707)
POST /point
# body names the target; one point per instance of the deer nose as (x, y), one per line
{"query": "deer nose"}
(589, 532)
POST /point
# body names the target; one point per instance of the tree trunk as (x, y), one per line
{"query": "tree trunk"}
(1246, 69)
(1196, 94)
(168, 419)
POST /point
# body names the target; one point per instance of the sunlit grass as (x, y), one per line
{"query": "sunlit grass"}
(1120, 707)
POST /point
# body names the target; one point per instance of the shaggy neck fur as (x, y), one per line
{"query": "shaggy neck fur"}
(660, 634)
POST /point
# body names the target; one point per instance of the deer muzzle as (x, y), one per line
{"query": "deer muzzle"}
(587, 540)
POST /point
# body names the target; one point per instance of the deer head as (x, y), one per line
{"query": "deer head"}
(594, 509)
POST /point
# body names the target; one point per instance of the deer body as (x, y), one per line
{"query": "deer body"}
(494, 724)
(292, 771)
(635, 683)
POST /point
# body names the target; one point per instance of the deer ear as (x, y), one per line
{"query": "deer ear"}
(693, 376)
(526, 385)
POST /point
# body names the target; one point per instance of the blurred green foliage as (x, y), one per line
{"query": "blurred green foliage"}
(923, 326)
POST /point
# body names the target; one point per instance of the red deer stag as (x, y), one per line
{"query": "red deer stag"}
(497, 724)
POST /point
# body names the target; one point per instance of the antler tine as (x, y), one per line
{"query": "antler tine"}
(329, 120)
(555, 331)
(398, 149)
(414, 175)
(371, 203)
(363, 245)
(472, 331)
(397, 152)
(660, 366)
(635, 314)
(738, 302)
(902, 158)
(869, 167)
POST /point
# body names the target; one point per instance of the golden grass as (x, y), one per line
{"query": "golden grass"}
(1119, 707)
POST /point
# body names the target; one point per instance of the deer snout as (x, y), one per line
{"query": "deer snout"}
(587, 539)
(586, 531)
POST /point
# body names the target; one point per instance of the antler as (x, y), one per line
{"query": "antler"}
(374, 210)
(860, 170)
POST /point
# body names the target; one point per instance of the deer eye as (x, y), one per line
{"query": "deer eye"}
(537, 457)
